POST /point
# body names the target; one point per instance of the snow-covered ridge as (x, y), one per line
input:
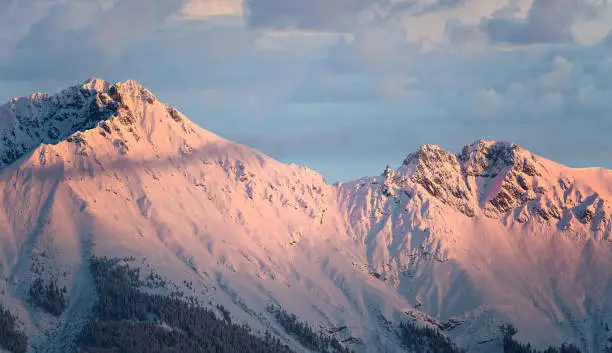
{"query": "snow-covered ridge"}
(491, 158)
(490, 234)
(27, 122)
(501, 180)
(142, 180)
(39, 119)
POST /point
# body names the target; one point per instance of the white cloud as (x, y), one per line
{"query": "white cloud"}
(595, 29)
(432, 25)
(547, 21)
(205, 9)
(350, 71)
(16, 18)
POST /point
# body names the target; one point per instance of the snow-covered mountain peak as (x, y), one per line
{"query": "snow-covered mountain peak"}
(124, 108)
(28, 122)
(129, 175)
(437, 172)
(428, 154)
(124, 126)
(96, 84)
(483, 158)
(503, 181)
(489, 235)
(490, 158)
(494, 211)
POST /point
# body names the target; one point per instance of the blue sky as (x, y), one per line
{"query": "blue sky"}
(342, 86)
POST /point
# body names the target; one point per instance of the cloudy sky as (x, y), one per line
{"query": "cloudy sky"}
(342, 86)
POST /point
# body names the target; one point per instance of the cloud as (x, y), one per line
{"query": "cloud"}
(16, 18)
(282, 78)
(134, 39)
(442, 4)
(203, 9)
(338, 15)
(430, 26)
(316, 15)
(421, 7)
(377, 47)
(460, 34)
(548, 21)
(54, 48)
(452, 96)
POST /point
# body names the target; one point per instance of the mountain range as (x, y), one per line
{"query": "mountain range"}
(459, 243)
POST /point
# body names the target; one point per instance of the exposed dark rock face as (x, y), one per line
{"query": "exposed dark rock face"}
(439, 173)
(491, 158)
(174, 114)
(40, 119)
(497, 179)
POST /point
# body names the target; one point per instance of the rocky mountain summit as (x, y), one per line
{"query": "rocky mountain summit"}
(500, 180)
(28, 122)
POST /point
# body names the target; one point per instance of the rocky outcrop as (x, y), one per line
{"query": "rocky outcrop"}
(492, 158)
(498, 180)
(439, 173)
(40, 119)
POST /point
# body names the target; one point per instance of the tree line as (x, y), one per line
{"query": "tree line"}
(48, 296)
(11, 339)
(424, 339)
(303, 333)
(127, 320)
(510, 345)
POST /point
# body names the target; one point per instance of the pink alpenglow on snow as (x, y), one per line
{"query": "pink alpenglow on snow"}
(462, 242)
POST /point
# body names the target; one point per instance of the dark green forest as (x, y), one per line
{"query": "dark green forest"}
(48, 296)
(11, 339)
(127, 320)
(425, 339)
(317, 342)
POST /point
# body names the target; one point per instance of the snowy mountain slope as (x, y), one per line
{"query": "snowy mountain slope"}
(490, 235)
(29, 121)
(494, 233)
(225, 223)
